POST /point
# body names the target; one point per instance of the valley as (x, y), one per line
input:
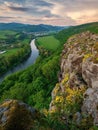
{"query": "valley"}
(14, 48)
(53, 85)
(23, 65)
(48, 64)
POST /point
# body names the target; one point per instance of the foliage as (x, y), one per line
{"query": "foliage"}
(30, 28)
(66, 33)
(34, 84)
(16, 50)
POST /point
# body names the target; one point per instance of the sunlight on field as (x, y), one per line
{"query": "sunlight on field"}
(48, 42)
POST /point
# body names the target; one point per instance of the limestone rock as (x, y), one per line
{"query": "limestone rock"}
(90, 104)
(15, 115)
(90, 73)
(78, 117)
(79, 69)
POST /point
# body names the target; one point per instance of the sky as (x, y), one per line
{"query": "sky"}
(54, 12)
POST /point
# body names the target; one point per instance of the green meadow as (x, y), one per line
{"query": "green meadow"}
(48, 42)
(10, 52)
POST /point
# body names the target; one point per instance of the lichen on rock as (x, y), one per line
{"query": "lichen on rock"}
(78, 84)
(16, 115)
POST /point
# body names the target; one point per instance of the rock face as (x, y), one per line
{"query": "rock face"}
(15, 115)
(90, 104)
(77, 90)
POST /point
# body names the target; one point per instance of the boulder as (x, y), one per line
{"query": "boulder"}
(79, 71)
(90, 104)
(90, 73)
(16, 115)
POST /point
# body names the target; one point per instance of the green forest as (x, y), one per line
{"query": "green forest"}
(35, 84)
(16, 47)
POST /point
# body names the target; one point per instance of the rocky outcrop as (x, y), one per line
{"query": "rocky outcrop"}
(90, 104)
(15, 115)
(74, 98)
(77, 90)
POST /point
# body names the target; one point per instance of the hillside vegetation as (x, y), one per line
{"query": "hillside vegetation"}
(36, 83)
(66, 33)
(4, 34)
(48, 42)
(14, 48)
(68, 109)
(29, 28)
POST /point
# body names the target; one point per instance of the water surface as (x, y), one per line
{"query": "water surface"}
(31, 59)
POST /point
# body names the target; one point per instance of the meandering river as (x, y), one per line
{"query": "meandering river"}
(31, 59)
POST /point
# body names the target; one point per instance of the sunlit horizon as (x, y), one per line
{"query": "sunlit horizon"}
(51, 12)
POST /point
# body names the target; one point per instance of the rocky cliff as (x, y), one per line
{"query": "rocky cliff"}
(74, 104)
(16, 115)
(75, 97)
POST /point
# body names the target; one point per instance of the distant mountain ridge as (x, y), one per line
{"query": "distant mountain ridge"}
(30, 28)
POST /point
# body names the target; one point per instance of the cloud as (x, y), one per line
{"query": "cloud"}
(76, 10)
(19, 9)
(1, 17)
(29, 8)
(41, 3)
(15, 6)
(57, 12)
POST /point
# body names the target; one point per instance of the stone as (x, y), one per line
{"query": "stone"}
(90, 73)
(16, 115)
(77, 62)
(90, 104)
(78, 117)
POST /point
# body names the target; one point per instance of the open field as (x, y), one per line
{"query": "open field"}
(12, 41)
(6, 33)
(10, 52)
(48, 42)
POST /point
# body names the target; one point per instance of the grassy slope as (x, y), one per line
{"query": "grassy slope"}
(10, 52)
(35, 84)
(66, 33)
(48, 42)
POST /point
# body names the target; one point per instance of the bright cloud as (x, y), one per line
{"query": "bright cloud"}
(56, 12)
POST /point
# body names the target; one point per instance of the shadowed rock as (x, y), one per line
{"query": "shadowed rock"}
(79, 68)
(15, 115)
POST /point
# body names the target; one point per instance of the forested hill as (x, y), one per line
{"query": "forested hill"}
(66, 33)
(29, 28)
(68, 68)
